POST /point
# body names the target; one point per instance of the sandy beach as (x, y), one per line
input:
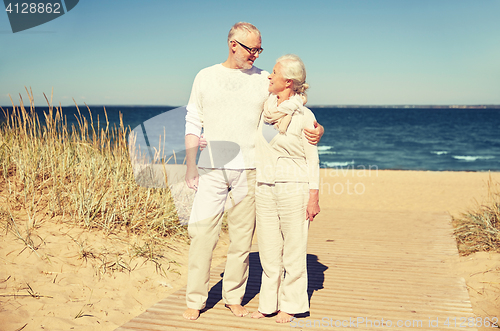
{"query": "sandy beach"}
(78, 279)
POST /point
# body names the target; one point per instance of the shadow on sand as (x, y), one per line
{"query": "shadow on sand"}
(315, 274)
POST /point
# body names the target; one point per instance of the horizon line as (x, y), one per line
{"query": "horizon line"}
(311, 106)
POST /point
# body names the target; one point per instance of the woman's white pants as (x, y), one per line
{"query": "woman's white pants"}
(282, 231)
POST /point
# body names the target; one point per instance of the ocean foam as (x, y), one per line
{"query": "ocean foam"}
(469, 158)
(337, 164)
(324, 150)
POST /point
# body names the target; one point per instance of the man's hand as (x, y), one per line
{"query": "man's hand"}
(313, 136)
(192, 177)
(192, 142)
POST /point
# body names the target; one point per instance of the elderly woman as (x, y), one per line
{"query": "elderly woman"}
(286, 193)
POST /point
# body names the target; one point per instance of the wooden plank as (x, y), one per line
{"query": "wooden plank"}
(368, 268)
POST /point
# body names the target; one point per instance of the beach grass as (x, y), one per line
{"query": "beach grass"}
(479, 229)
(80, 175)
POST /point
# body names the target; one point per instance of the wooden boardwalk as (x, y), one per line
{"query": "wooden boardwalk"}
(367, 270)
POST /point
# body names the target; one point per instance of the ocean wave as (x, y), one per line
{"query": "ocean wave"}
(325, 150)
(439, 152)
(469, 158)
(337, 164)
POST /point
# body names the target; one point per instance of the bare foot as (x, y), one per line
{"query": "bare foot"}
(258, 314)
(283, 317)
(237, 310)
(191, 314)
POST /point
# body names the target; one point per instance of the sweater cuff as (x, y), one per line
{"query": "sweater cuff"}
(192, 128)
(313, 186)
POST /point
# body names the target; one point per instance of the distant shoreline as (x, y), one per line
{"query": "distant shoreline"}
(310, 106)
(411, 106)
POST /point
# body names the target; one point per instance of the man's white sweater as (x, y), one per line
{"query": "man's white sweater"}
(227, 104)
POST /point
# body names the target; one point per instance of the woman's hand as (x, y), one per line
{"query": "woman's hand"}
(203, 142)
(313, 136)
(313, 205)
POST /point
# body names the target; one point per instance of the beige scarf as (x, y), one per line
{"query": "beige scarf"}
(281, 115)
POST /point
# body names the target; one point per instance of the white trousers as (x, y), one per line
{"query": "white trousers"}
(282, 231)
(204, 229)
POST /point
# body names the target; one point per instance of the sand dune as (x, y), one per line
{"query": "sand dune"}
(78, 279)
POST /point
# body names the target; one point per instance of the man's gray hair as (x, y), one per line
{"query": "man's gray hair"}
(293, 68)
(240, 30)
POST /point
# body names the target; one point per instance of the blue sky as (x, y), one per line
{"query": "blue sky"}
(379, 52)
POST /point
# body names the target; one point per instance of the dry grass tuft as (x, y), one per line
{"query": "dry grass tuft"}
(479, 229)
(80, 175)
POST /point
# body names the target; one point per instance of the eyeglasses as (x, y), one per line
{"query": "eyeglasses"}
(250, 50)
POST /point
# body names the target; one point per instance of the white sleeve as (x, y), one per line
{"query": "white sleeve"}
(194, 115)
(311, 153)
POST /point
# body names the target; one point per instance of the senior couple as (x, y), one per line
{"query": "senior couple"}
(270, 180)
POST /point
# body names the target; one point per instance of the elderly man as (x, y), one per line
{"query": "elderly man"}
(226, 101)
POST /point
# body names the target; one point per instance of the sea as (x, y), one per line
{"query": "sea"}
(435, 139)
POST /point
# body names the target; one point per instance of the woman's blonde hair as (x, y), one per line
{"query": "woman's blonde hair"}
(293, 68)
